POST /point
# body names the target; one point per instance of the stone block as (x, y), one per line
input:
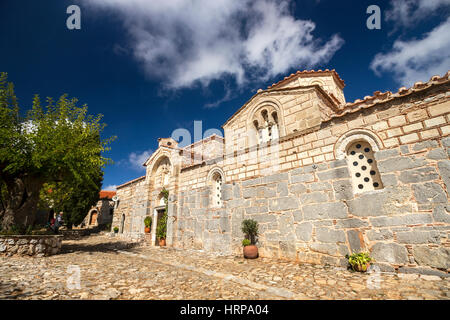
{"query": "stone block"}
(329, 210)
(381, 267)
(313, 197)
(343, 190)
(265, 218)
(227, 192)
(425, 145)
(422, 271)
(224, 224)
(389, 180)
(382, 234)
(288, 249)
(278, 177)
(323, 223)
(251, 182)
(283, 203)
(319, 186)
(389, 252)
(326, 248)
(355, 240)
(444, 170)
(266, 192)
(282, 189)
(236, 191)
(441, 213)
(418, 175)
(338, 163)
(404, 149)
(433, 257)
(297, 188)
(298, 215)
(286, 223)
(337, 173)
(249, 193)
(235, 203)
(328, 235)
(409, 219)
(351, 223)
(414, 236)
(385, 154)
(304, 231)
(379, 203)
(437, 154)
(429, 192)
(307, 177)
(445, 142)
(400, 164)
(254, 210)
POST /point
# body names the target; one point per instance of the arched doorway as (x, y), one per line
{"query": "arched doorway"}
(93, 218)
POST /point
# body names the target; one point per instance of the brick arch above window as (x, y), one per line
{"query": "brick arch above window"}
(363, 167)
(342, 144)
(273, 107)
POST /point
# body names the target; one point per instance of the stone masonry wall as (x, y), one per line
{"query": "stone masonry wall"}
(307, 208)
(30, 245)
(133, 206)
(300, 188)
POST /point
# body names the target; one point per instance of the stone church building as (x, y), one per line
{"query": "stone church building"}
(322, 176)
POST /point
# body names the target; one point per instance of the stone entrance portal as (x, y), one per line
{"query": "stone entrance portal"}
(93, 220)
(158, 212)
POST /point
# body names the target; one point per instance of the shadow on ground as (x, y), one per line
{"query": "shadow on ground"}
(97, 247)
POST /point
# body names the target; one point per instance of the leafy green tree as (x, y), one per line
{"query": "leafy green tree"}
(58, 145)
(72, 197)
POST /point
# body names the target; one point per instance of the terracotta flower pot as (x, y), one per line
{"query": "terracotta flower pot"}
(361, 268)
(251, 252)
(162, 242)
(147, 229)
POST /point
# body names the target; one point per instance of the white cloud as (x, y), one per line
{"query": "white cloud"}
(407, 13)
(190, 42)
(417, 59)
(137, 159)
(111, 187)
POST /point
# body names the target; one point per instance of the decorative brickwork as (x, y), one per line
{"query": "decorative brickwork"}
(303, 187)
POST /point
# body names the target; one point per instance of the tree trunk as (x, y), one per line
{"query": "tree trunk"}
(21, 201)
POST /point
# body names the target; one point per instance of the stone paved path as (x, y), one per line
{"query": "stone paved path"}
(114, 269)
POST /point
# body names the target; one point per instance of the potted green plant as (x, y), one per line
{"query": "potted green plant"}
(250, 229)
(161, 227)
(116, 229)
(161, 230)
(148, 224)
(359, 261)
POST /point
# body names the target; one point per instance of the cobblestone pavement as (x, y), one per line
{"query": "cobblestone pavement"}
(114, 269)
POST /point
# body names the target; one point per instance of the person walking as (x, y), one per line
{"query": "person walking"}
(59, 222)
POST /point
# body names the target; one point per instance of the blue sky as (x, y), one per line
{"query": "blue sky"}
(152, 66)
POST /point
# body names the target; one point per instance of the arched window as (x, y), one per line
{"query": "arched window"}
(217, 190)
(266, 125)
(274, 128)
(363, 167)
(258, 131)
(215, 181)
